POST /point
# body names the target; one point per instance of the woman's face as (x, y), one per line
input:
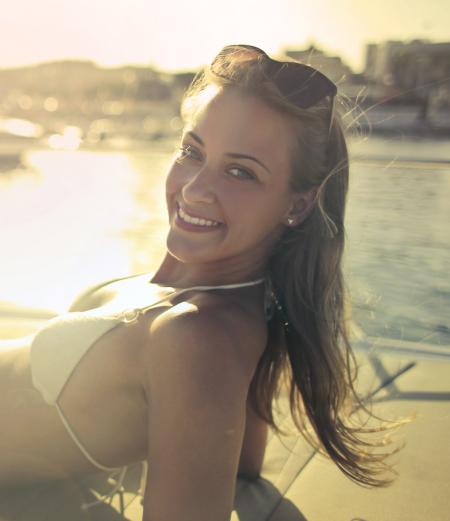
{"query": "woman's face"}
(228, 190)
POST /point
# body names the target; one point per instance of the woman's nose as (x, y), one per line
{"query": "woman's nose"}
(199, 187)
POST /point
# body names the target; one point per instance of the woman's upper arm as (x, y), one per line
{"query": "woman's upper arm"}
(197, 394)
(254, 445)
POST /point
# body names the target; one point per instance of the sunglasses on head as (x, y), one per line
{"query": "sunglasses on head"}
(301, 84)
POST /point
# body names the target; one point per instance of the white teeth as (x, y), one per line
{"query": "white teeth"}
(195, 220)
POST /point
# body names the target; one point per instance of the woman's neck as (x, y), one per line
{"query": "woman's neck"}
(174, 273)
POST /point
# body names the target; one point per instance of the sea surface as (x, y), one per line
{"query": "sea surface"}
(70, 218)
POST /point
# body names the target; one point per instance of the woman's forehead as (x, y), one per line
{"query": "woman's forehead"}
(245, 122)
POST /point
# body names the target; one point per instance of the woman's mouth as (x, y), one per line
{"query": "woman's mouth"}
(190, 222)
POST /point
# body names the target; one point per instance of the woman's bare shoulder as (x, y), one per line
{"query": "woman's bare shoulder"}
(197, 388)
(209, 326)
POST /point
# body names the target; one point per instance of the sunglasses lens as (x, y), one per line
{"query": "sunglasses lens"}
(301, 84)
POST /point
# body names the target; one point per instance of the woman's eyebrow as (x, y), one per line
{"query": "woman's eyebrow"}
(230, 154)
(195, 137)
(245, 156)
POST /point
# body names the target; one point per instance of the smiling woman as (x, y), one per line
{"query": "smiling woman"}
(179, 368)
(281, 120)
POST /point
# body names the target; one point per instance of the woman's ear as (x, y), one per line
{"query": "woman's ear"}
(302, 204)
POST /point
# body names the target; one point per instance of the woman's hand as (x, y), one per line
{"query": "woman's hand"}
(196, 386)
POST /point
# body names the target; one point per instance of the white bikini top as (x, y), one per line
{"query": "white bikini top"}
(58, 347)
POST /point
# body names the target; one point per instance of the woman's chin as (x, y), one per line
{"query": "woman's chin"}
(189, 250)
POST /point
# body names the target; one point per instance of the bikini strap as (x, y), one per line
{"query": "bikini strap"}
(132, 314)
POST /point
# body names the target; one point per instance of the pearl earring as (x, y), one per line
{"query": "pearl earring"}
(290, 221)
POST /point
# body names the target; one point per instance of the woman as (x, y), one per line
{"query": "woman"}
(181, 370)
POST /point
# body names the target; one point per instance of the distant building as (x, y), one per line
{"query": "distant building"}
(419, 69)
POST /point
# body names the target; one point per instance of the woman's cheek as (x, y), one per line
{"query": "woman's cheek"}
(172, 181)
(178, 175)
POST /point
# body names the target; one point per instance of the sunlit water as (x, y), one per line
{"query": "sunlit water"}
(70, 219)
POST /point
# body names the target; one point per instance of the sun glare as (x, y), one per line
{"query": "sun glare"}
(180, 35)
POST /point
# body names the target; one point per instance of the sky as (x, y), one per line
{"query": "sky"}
(186, 34)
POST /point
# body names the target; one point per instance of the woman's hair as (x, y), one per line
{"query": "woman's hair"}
(312, 352)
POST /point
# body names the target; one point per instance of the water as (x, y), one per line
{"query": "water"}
(70, 219)
(398, 255)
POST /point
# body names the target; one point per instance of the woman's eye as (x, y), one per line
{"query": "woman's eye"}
(188, 151)
(241, 173)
